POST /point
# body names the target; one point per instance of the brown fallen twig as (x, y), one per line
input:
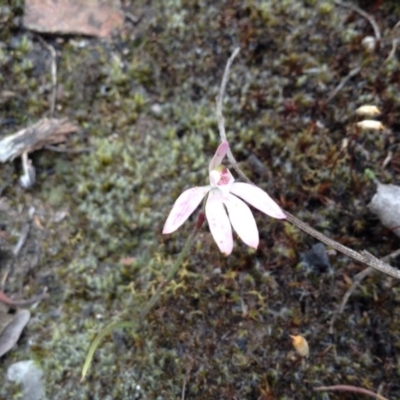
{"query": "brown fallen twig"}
(16, 250)
(350, 388)
(53, 68)
(395, 42)
(358, 278)
(364, 14)
(377, 35)
(70, 151)
(342, 83)
(22, 239)
(23, 303)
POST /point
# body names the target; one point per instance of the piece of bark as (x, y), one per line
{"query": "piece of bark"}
(90, 17)
(47, 131)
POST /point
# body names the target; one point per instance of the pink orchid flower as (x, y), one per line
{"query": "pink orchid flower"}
(223, 194)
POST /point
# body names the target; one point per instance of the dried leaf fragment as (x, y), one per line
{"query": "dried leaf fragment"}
(11, 333)
(370, 124)
(300, 344)
(368, 110)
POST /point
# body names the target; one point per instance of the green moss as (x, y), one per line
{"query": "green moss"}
(146, 104)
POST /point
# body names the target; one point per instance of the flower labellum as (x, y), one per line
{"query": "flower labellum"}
(225, 207)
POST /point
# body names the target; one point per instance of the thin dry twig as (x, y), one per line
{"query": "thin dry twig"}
(395, 41)
(393, 50)
(343, 82)
(356, 70)
(70, 151)
(53, 75)
(358, 278)
(363, 257)
(16, 250)
(387, 160)
(350, 388)
(364, 14)
(22, 239)
(4, 278)
(183, 388)
(23, 303)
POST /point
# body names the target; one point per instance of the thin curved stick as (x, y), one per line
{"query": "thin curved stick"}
(364, 14)
(363, 257)
(350, 388)
(53, 74)
(395, 41)
(358, 278)
(342, 83)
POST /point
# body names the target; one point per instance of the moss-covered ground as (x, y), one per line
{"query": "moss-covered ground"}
(145, 102)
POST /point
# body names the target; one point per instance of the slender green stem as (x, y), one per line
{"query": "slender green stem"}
(149, 305)
(99, 337)
(154, 299)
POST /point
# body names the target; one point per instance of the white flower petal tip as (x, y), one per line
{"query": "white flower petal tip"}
(258, 199)
(368, 110)
(242, 220)
(184, 206)
(370, 124)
